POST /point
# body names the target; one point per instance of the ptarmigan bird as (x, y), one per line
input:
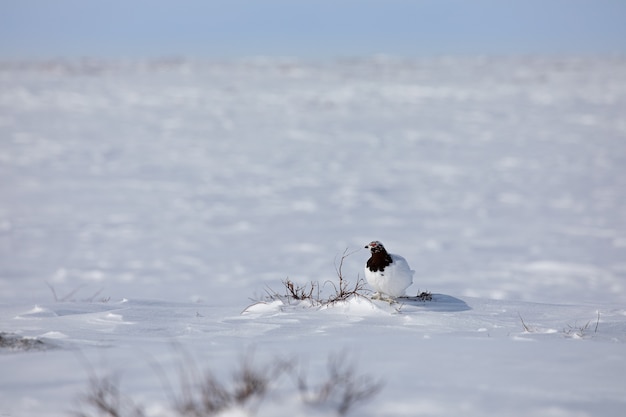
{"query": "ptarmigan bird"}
(388, 274)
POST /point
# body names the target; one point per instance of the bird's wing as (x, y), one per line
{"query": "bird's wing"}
(401, 263)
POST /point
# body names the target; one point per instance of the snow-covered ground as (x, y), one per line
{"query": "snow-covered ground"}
(145, 205)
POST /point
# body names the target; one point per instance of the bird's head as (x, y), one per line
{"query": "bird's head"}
(375, 246)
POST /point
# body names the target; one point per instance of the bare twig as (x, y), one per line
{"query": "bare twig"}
(90, 299)
(526, 328)
(345, 290)
(69, 295)
(339, 268)
(54, 293)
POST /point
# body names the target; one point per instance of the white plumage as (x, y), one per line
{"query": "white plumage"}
(388, 274)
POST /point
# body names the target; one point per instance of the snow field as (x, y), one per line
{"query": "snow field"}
(159, 200)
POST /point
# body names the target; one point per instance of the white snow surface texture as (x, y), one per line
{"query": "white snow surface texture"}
(147, 209)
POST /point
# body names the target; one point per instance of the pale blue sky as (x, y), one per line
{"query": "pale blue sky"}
(310, 29)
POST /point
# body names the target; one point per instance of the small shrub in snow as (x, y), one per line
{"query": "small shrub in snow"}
(342, 289)
(576, 331)
(342, 389)
(248, 389)
(581, 331)
(106, 399)
(16, 342)
(301, 293)
(293, 291)
(207, 395)
(425, 296)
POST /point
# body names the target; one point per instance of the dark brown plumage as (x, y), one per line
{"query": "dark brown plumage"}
(380, 259)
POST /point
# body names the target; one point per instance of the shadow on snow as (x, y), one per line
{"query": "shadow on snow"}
(439, 302)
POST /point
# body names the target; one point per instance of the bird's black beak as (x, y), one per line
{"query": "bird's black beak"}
(367, 246)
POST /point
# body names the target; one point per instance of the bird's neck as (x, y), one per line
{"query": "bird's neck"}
(379, 261)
